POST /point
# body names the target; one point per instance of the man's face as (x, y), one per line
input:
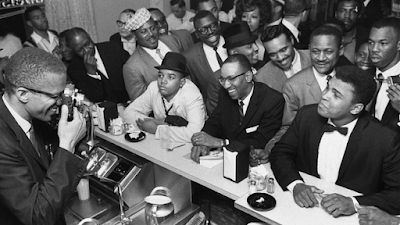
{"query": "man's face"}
(41, 106)
(236, 80)
(361, 57)
(147, 35)
(348, 12)
(66, 52)
(249, 50)
(252, 18)
(38, 20)
(325, 52)
(208, 30)
(384, 47)
(169, 82)
(82, 44)
(209, 6)
(125, 33)
(280, 51)
(337, 101)
(159, 19)
(179, 12)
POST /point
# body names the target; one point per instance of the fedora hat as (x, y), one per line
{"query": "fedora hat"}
(238, 34)
(174, 61)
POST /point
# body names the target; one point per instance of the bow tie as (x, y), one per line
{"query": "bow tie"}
(331, 128)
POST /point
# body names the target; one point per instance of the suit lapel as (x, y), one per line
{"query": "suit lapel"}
(253, 106)
(315, 90)
(389, 111)
(280, 75)
(353, 145)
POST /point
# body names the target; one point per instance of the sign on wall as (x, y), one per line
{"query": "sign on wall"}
(17, 3)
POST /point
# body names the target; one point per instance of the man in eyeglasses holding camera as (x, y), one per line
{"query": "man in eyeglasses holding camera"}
(39, 171)
(247, 112)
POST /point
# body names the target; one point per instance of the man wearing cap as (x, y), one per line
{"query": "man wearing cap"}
(238, 40)
(172, 96)
(295, 12)
(206, 56)
(285, 59)
(247, 112)
(151, 48)
(96, 69)
(184, 37)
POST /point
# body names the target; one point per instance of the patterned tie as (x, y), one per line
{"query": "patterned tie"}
(218, 56)
(158, 51)
(241, 111)
(331, 128)
(32, 137)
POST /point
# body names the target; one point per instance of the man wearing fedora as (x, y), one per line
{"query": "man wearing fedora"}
(206, 56)
(238, 40)
(151, 48)
(248, 112)
(285, 60)
(175, 101)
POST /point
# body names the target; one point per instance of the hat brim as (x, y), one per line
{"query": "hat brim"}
(246, 41)
(184, 72)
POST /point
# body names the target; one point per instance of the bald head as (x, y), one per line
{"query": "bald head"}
(79, 41)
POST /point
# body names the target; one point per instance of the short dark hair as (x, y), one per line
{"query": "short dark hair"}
(359, 3)
(29, 10)
(201, 14)
(390, 22)
(363, 83)
(28, 68)
(197, 2)
(294, 7)
(264, 6)
(241, 59)
(363, 39)
(333, 21)
(128, 11)
(180, 3)
(154, 9)
(73, 32)
(327, 30)
(272, 32)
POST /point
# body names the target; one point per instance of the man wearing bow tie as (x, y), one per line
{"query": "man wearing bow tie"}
(384, 50)
(339, 142)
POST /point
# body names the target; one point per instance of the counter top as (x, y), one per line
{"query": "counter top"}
(179, 162)
(288, 212)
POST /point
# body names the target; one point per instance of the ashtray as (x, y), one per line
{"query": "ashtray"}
(135, 136)
(261, 201)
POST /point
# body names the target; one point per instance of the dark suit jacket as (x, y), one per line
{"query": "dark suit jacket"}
(139, 70)
(265, 111)
(112, 89)
(32, 190)
(117, 39)
(370, 165)
(184, 38)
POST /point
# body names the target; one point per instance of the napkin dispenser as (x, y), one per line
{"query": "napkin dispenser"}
(106, 111)
(236, 161)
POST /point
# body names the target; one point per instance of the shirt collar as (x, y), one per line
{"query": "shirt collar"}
(219, 46)
(124, 40)
(23, 123)
(332, 74)
(37, 38)
(350, 126)
(394, 70)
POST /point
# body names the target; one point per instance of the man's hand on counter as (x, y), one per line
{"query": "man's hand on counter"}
(147, 124)
(304, 196)
(198, 151)
(370, 215)
(202, 138)
(337, 205)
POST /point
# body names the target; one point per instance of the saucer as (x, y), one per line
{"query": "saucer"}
(135, 136)
(261, 201)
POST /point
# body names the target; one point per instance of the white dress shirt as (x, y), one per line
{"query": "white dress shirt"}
(153, 52)
(382, 98)
(175, 23)
(44, 44)
(296, 65)
(321, 78)
(187, 103)
(211, 55)
(130, 45)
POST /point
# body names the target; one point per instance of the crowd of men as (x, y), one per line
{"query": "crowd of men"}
(321, 99)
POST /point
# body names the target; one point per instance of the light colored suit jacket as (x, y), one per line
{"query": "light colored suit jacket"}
(298, 91)
(139, 70)
(274, 77)
(184, 38)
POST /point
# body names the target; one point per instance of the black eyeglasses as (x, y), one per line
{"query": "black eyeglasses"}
(230, 79)
(161, 21)
(120, 23)
(55, 97)
(204, 30)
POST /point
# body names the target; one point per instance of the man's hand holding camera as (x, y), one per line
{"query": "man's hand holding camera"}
(71, 132)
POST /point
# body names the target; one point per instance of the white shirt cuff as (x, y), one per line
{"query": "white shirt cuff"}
(290, 187)
(95, 76)
(355, 203)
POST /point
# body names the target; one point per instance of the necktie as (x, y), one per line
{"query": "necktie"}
(33, 140)
(380, 79)
(328, 78)
(241, 111)
(158, 51)
(218, 57)
(331, 128)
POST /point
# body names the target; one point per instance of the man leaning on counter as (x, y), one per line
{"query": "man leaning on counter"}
(339, 142)
(248, 112)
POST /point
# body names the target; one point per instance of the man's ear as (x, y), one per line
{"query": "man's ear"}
(232, 52)
(22, 94)
(182, 82)
(249, 76)
(29, 23)
(357, 108)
